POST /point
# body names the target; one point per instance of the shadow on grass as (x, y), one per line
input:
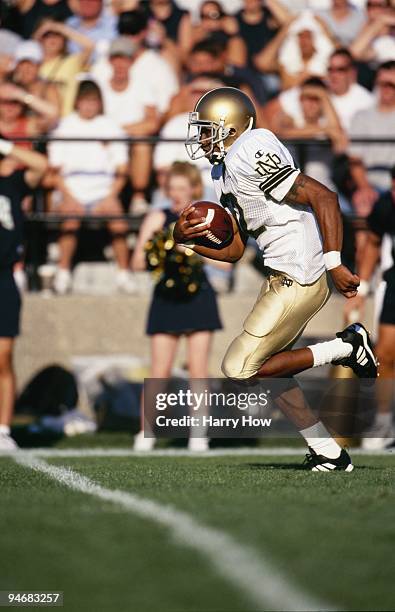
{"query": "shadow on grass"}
(297, 466)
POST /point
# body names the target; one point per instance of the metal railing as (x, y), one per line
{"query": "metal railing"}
(38, 217)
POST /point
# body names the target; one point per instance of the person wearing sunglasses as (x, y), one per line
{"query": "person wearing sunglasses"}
(216, 25)
(347, 96)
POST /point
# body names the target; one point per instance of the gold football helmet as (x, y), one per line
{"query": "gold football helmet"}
(220, 117)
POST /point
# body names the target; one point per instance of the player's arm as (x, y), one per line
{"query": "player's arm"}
(308, 192)
(185, 232)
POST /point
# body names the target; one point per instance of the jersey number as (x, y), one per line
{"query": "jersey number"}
(6, 219)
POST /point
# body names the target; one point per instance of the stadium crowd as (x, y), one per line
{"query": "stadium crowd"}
(322, 70)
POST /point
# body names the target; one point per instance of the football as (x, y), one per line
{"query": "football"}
(221, 228)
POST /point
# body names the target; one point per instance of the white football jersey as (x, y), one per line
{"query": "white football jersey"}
(252, 184)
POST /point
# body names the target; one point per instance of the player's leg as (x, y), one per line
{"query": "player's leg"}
(323, 447)
(7, 393)
(279, 316)
(382, 433)
(198, 348)
(163, 352)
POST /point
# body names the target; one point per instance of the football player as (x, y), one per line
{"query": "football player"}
(297, 225)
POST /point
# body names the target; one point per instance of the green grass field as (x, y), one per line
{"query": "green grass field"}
(330, 535)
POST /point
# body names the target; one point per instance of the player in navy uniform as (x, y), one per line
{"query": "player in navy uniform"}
(15, 184)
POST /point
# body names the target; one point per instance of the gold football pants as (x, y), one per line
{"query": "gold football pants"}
(280, 314)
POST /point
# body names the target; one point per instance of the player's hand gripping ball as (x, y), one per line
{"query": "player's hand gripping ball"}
(206, 224)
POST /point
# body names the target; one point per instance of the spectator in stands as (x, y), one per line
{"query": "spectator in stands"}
(28, 59)
(376, 41)
(34, 11)
(59, 66)
(9, 41)
(91, 20)
(176, 23)
(182, 313)
(133, 108)
(344, 19)
(318, 120)
(89, 178)
(347, 96)
(149, 70)
(259, 22)
(381, 225)
(318, 117)
(299, 50)
(216, 25)
(15, 185)
(208, 58)
(370, 163)
(166, 153)
(15, 119)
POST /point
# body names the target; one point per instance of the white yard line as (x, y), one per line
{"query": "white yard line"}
(173, 452)
(240, 565)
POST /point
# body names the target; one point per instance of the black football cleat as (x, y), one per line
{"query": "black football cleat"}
(362, 360)
(319, 463)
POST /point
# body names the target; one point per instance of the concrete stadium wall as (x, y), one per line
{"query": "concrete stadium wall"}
(57, 328)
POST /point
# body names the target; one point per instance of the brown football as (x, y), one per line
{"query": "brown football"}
(221, 228)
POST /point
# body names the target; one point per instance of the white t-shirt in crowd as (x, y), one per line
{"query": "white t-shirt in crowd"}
(126, 106)
(88, 168)
(349, 104)
(356, 99)
(150, 72)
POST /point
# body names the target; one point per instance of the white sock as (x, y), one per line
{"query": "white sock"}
(326, 352)
(383, 419)
(319, 439)
(5, 430)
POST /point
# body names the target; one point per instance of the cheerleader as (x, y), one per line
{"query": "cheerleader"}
(181, 305)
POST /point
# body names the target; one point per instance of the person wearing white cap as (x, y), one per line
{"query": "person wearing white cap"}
(134, 108)
(28, 58)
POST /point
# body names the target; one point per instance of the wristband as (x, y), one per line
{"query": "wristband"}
(332, 259)
(6, 147)
(363, 289)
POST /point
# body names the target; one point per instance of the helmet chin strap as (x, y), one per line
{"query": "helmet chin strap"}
(217, 156)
